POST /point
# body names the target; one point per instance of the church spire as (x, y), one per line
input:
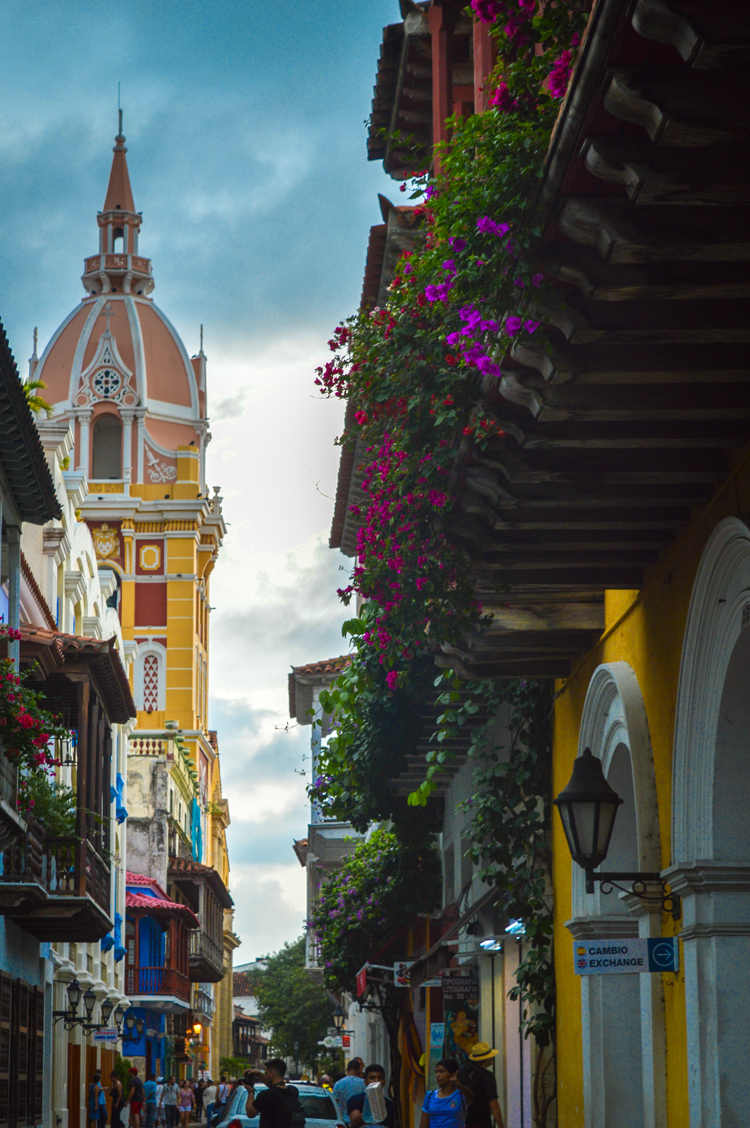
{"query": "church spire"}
(118, 268)
(119, 193)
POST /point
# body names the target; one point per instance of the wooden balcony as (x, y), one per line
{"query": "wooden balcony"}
(12, 826)
(205, 892)
(206, 958)
(160, 988)
(55, 888)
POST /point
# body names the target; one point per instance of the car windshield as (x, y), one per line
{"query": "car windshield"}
(317, 1107)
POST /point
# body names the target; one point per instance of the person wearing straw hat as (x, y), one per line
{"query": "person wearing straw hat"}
(478, 1079)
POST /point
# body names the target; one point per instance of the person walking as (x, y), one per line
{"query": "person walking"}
(185, 1103)
(348, 1086)
(199, 1087)
(371, 1106)
(169, 1099)
(135, 1098)
(476, 1076)
(149, 1100)
(444, 1107)
(159, 1106)
(278, 1105)
(97, 1102)
(209, 1099)
(115, 1101)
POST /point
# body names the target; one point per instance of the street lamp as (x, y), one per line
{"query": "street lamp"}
(120, 1012)
(70, 1016)
(588, 807)
(89, 1002)
(339, 1018)
(106, 1010)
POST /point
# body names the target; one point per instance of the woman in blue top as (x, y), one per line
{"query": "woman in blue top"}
(444, 1107)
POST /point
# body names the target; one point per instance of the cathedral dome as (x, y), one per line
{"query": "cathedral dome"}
(117, 354)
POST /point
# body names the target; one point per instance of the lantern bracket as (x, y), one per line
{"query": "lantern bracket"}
(638, 884)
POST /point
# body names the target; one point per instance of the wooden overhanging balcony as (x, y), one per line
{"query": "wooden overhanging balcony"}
(203, 890)
(58, 887)
(634, 410)
(157, 929)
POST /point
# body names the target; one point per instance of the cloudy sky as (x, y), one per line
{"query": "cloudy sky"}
(246, 147)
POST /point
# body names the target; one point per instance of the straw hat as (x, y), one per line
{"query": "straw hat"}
(481, 1051)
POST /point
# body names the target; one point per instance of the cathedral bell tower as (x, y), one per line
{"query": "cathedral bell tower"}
(118, 268)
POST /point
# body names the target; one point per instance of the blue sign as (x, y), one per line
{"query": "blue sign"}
(616, 957)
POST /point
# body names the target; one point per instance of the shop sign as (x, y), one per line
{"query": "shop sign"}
(106, 1034)
(361, 981)
(402, 973)
(617, 957)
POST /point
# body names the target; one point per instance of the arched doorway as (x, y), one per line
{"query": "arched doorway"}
(622, 1016)
(106, 448)
(711, 828)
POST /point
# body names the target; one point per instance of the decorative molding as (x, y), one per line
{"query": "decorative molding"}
(92, 626)
(159, 470)
(612, 927)
(75, 585)
(76, 486)
(55, 543)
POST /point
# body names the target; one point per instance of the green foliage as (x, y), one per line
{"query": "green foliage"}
(375, 728)
(370, 898)
(232, 1066)
(292, 1005)
(36, 402)
(122, 1070)
(52, 803)
(509, 821)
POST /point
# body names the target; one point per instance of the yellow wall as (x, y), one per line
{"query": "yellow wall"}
(644, 629)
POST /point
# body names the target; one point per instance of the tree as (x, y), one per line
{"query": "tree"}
(292, 1005)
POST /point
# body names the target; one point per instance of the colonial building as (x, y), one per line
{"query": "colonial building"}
(118, 373)
(611, 540)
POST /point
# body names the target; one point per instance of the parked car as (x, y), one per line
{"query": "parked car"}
(317, 1104)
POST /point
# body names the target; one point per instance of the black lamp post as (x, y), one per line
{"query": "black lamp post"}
(106, 1010)
(120, 1012)
(339, 1018)
(129, 1027)
(588, 807)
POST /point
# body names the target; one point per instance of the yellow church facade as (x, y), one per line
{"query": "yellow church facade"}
(117, 370)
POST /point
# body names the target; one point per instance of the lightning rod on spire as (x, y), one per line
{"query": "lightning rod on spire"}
(119, 112)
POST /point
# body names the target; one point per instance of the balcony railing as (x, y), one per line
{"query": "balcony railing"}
(56, 888)
(202, 1003)
(203, 949)
(157, 981)
(11, 825)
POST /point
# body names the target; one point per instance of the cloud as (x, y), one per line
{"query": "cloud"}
(246, 149)
(269, 905)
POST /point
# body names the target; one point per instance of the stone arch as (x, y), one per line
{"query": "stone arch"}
(615, 727)
(710, 829)
(720, 597)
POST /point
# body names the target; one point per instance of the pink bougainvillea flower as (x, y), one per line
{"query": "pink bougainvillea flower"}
(513, 326)
(457, 243)
(391, 679)
(531, 326)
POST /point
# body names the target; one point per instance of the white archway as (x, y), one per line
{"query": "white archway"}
(623, 1060)
(150, 676)
(711, 830)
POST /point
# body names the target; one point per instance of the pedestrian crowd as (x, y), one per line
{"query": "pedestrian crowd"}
(464, 1097)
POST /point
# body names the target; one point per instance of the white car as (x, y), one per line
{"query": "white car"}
(317, 1104)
